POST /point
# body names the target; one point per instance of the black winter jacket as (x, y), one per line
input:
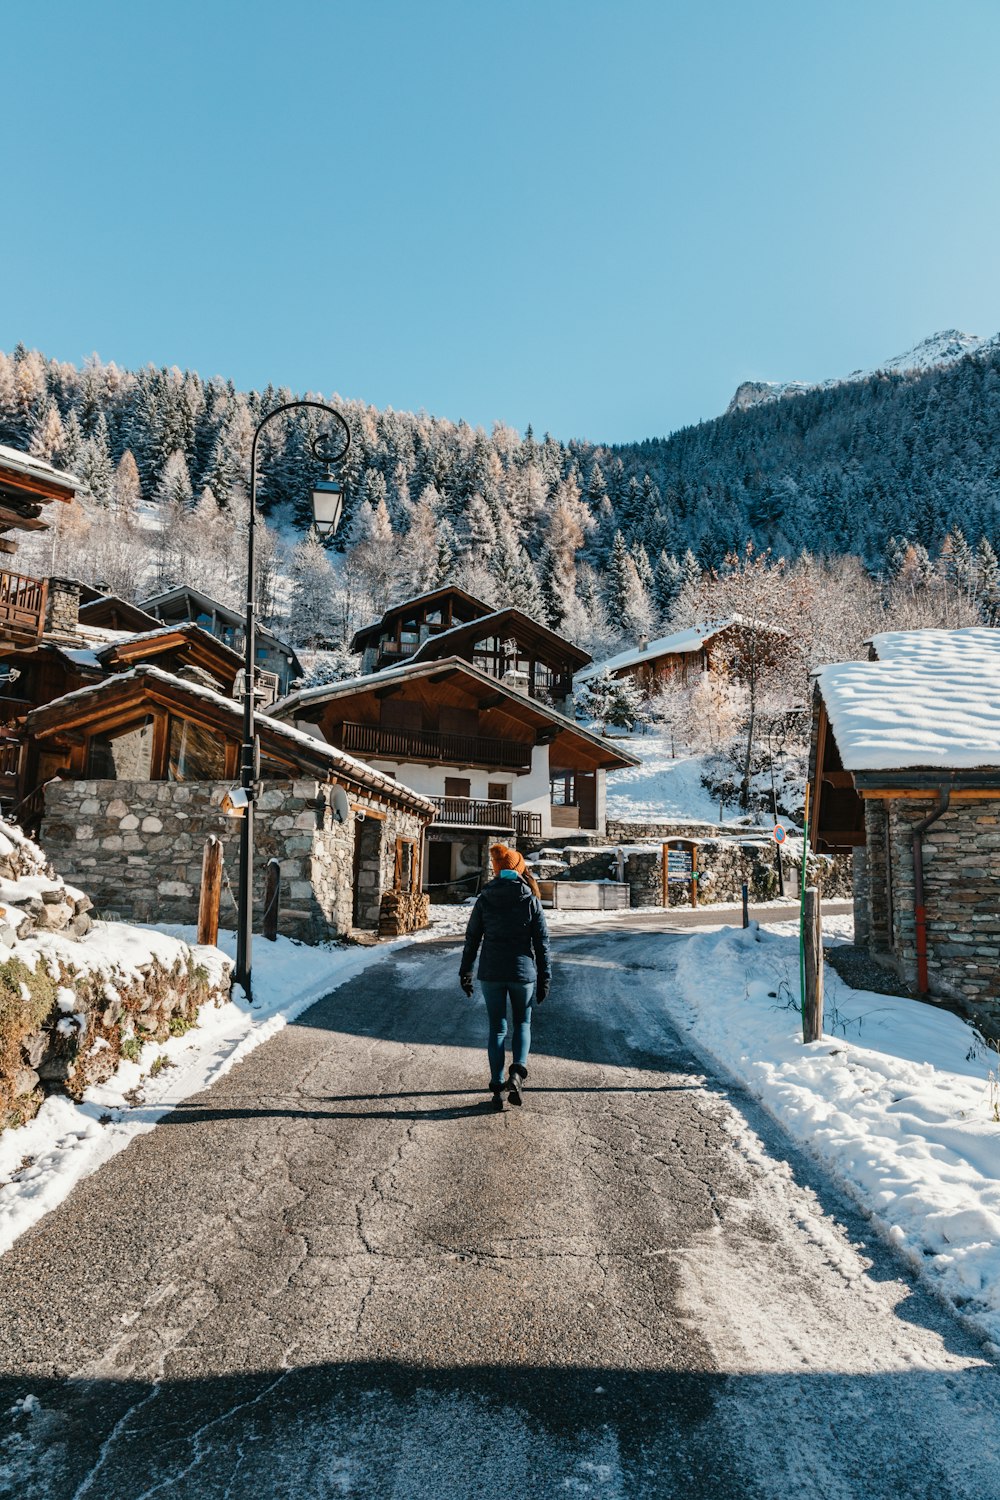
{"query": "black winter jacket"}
(509, 922)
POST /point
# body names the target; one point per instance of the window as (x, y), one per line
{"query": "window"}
(407, 865)
(457, 786)
(563, 789)
(125, 757)
(195, 753)
(498, 791)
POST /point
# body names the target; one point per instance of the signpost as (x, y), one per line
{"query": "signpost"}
(779, 834)
(680, 867)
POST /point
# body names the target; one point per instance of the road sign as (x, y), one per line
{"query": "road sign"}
(678, 864)
(779, 834)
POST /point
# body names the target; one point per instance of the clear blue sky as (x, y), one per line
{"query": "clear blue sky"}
(595, 217)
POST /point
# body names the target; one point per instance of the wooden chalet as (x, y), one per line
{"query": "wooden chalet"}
(148, 725)
(48, 672)
(404, 628)
(508, 644)
(905, 773)
(134, 773)
(686, 654)
(182, 604)
(27, 487)
(492, 760)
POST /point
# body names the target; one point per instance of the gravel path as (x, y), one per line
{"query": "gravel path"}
(336, 1273)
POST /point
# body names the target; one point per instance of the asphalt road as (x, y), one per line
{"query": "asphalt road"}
(337, 1273)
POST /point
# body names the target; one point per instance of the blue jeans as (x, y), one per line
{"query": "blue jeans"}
(521, 996)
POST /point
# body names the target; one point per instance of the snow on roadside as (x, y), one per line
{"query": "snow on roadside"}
(42, 1161)
(898, 1099)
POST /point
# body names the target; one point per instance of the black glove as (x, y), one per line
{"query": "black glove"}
(465, 980)
(541, 991)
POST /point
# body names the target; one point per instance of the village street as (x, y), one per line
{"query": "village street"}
(337, 1273)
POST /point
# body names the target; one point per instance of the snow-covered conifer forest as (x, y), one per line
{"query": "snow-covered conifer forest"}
(833, 513)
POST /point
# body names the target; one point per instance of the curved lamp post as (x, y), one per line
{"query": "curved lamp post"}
(328, 449)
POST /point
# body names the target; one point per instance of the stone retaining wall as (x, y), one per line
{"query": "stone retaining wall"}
(137, 847)
(723, 866)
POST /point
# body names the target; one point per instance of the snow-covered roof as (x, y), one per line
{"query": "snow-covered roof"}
(185, 628)
(326, 691)
(358, 770)
(905, 713)
(37, 468)
(682, 641)
(938, 647)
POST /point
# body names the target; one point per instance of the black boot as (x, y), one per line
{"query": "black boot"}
(498, 1096)
(515, 1074)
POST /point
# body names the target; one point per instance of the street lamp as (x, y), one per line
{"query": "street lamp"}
(328, 505)
(328, 449)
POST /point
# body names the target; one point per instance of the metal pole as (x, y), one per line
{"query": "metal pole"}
(244, 920)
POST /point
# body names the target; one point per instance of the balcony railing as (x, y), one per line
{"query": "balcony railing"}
(435, 746)
(472, 811)
(22, 608)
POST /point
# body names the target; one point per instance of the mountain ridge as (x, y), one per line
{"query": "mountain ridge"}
(934, 352)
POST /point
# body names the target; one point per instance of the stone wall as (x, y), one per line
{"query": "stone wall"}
(723, 866)
(137, 847)
(962, 900)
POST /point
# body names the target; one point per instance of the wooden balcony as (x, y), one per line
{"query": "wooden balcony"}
(435, 747)
(22, 608)
(472, 812)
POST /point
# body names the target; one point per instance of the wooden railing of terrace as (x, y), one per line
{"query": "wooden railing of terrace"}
(22, 608)
(435, 746)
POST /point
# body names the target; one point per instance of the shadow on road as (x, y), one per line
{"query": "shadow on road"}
(383, 1428)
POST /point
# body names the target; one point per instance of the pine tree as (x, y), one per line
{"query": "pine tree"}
(614, 702)
(989, 581)
(96, 469)
(174, 490)
(668, 580)
(47, 435)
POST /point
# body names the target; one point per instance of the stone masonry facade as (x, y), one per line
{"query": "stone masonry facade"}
(961, 896)
(137, 848)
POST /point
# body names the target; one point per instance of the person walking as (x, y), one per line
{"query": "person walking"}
(508, 922)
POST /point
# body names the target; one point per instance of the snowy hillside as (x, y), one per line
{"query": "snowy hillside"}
(939, 349)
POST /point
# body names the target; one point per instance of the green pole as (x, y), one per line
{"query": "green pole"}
(802, 911)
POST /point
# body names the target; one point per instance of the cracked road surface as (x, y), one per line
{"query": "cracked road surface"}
(336, 1273)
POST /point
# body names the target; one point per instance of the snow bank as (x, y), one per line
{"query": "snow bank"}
(898, 1098)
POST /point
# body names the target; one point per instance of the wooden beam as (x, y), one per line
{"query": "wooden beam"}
(836, 779)
(817, 791)
(930, 794)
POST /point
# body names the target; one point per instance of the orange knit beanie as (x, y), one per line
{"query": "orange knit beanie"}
(506, 859)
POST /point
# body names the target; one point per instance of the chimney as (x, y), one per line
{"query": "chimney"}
(62, 610)
(643, 642)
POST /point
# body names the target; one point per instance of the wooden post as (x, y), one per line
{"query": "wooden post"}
(694, 874)
(812, 1012)
(272, 892)
(211, 892)
(746, 905)
(665, 898)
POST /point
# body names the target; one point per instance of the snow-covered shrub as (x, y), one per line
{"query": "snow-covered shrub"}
(614, 702)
